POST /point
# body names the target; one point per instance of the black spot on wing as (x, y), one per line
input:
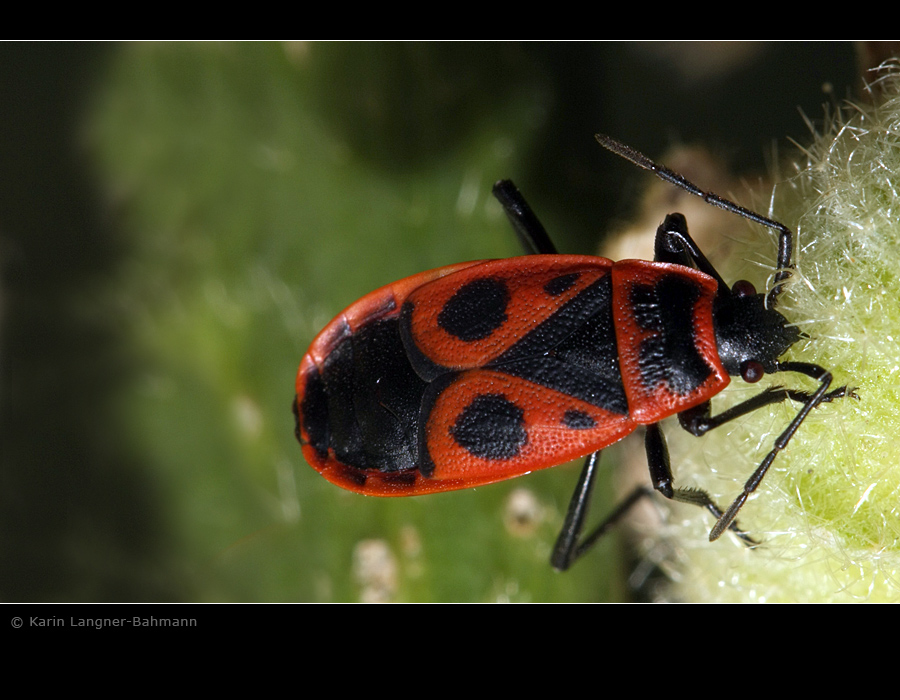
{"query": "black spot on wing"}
(491, 427)
(476, 310)
(578, 420)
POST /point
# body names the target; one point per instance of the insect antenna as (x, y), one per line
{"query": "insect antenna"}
(785, 236)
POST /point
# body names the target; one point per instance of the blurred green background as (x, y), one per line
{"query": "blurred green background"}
(177, 221)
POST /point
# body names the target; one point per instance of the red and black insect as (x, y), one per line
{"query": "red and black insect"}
(482, 371)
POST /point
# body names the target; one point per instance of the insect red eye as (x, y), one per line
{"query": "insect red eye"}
(752, 371)
(743, 288)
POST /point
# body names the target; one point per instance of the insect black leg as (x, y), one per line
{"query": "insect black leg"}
(699, 420)
(568, 548)
(821, 395)
(673, 244)
(661, 476)
(566, 544)
(530, 231)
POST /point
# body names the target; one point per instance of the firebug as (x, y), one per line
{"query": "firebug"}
(482, 371)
